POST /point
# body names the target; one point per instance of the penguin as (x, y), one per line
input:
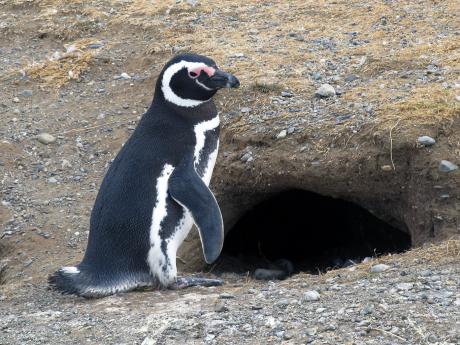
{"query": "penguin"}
(156, 189)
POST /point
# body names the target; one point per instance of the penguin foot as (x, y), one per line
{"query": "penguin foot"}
(186, 282)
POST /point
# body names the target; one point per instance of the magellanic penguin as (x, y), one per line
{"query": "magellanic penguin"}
(156, 189)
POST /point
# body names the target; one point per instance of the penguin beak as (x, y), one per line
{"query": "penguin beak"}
(221, 79)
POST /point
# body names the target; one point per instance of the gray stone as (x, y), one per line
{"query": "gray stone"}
(379, 268)
(316, 76)
(426, 140)
(245, 110)
(52, 180)
(226, 295)
(290, 130)
(26, 93)
(404, 286)
(351, 77)
(281, 134)
(446, 166)
(220, 308)
(247, 157)
(266, 274)
(325, 91)
(286, 94)
(46, 138)
(311, 295)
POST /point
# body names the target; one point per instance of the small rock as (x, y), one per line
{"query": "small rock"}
(15, 100)
(351, 78)
(46, 138)
(256, 307)
(283, 303)
(325, 91)
(95, 45)
(287, 94)
(446, 166)
(426, 140)
(192, 3)
(312, 295)
(316, 76)
(52, 180)
(281, 134)
(368, 309)
(245, 110)
(247, 157)
(148, 341)
(290, 130)
(266, 274)
(220, 308)
(26, 93)
(226, 295)
(404, 286)
(386, 167)
(125, 76)
(457, 98)
(379, 268)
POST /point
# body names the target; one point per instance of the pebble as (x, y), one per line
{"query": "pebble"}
(148, 341)
(379, 268)
(426, 140)
(446, 166)
(368, 309)
(192, 3)
(245, 110)
(325, 91)
(351, 77)
(286, 94)
(226, 295)
(386, 167)
(95, 45)
(15, 100)
(26, 93)
(316, 76)
(46, 138)
(281, 134)
(290, 130)
(220, 308)
(247, 157)
(457, 98)
(52, 180)
(125, 76)
(404, 286)
(311, 295)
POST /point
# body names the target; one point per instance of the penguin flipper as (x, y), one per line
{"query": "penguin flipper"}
(189, 190)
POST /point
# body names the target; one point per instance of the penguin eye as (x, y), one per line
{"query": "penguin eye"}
(192, 74)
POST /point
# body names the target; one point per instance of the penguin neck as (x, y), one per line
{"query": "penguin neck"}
(202, 112)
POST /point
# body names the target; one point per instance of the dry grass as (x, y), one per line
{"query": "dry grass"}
(63, 67)
(270, 43)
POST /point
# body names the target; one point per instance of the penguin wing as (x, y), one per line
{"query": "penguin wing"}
(189, 190)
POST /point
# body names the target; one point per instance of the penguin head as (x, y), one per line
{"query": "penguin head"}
(189, 80)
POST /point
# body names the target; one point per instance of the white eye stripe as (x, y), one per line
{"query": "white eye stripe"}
(169, 93)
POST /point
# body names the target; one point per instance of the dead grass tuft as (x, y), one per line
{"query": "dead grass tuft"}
(62, 67)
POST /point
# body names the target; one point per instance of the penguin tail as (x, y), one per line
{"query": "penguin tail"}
(74, 280)
(71, 280)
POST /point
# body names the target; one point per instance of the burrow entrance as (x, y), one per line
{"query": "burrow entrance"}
(313, 232)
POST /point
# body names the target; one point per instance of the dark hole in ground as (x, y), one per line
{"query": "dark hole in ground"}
(315, 233)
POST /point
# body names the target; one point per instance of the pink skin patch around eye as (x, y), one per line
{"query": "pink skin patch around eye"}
(208, 70)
